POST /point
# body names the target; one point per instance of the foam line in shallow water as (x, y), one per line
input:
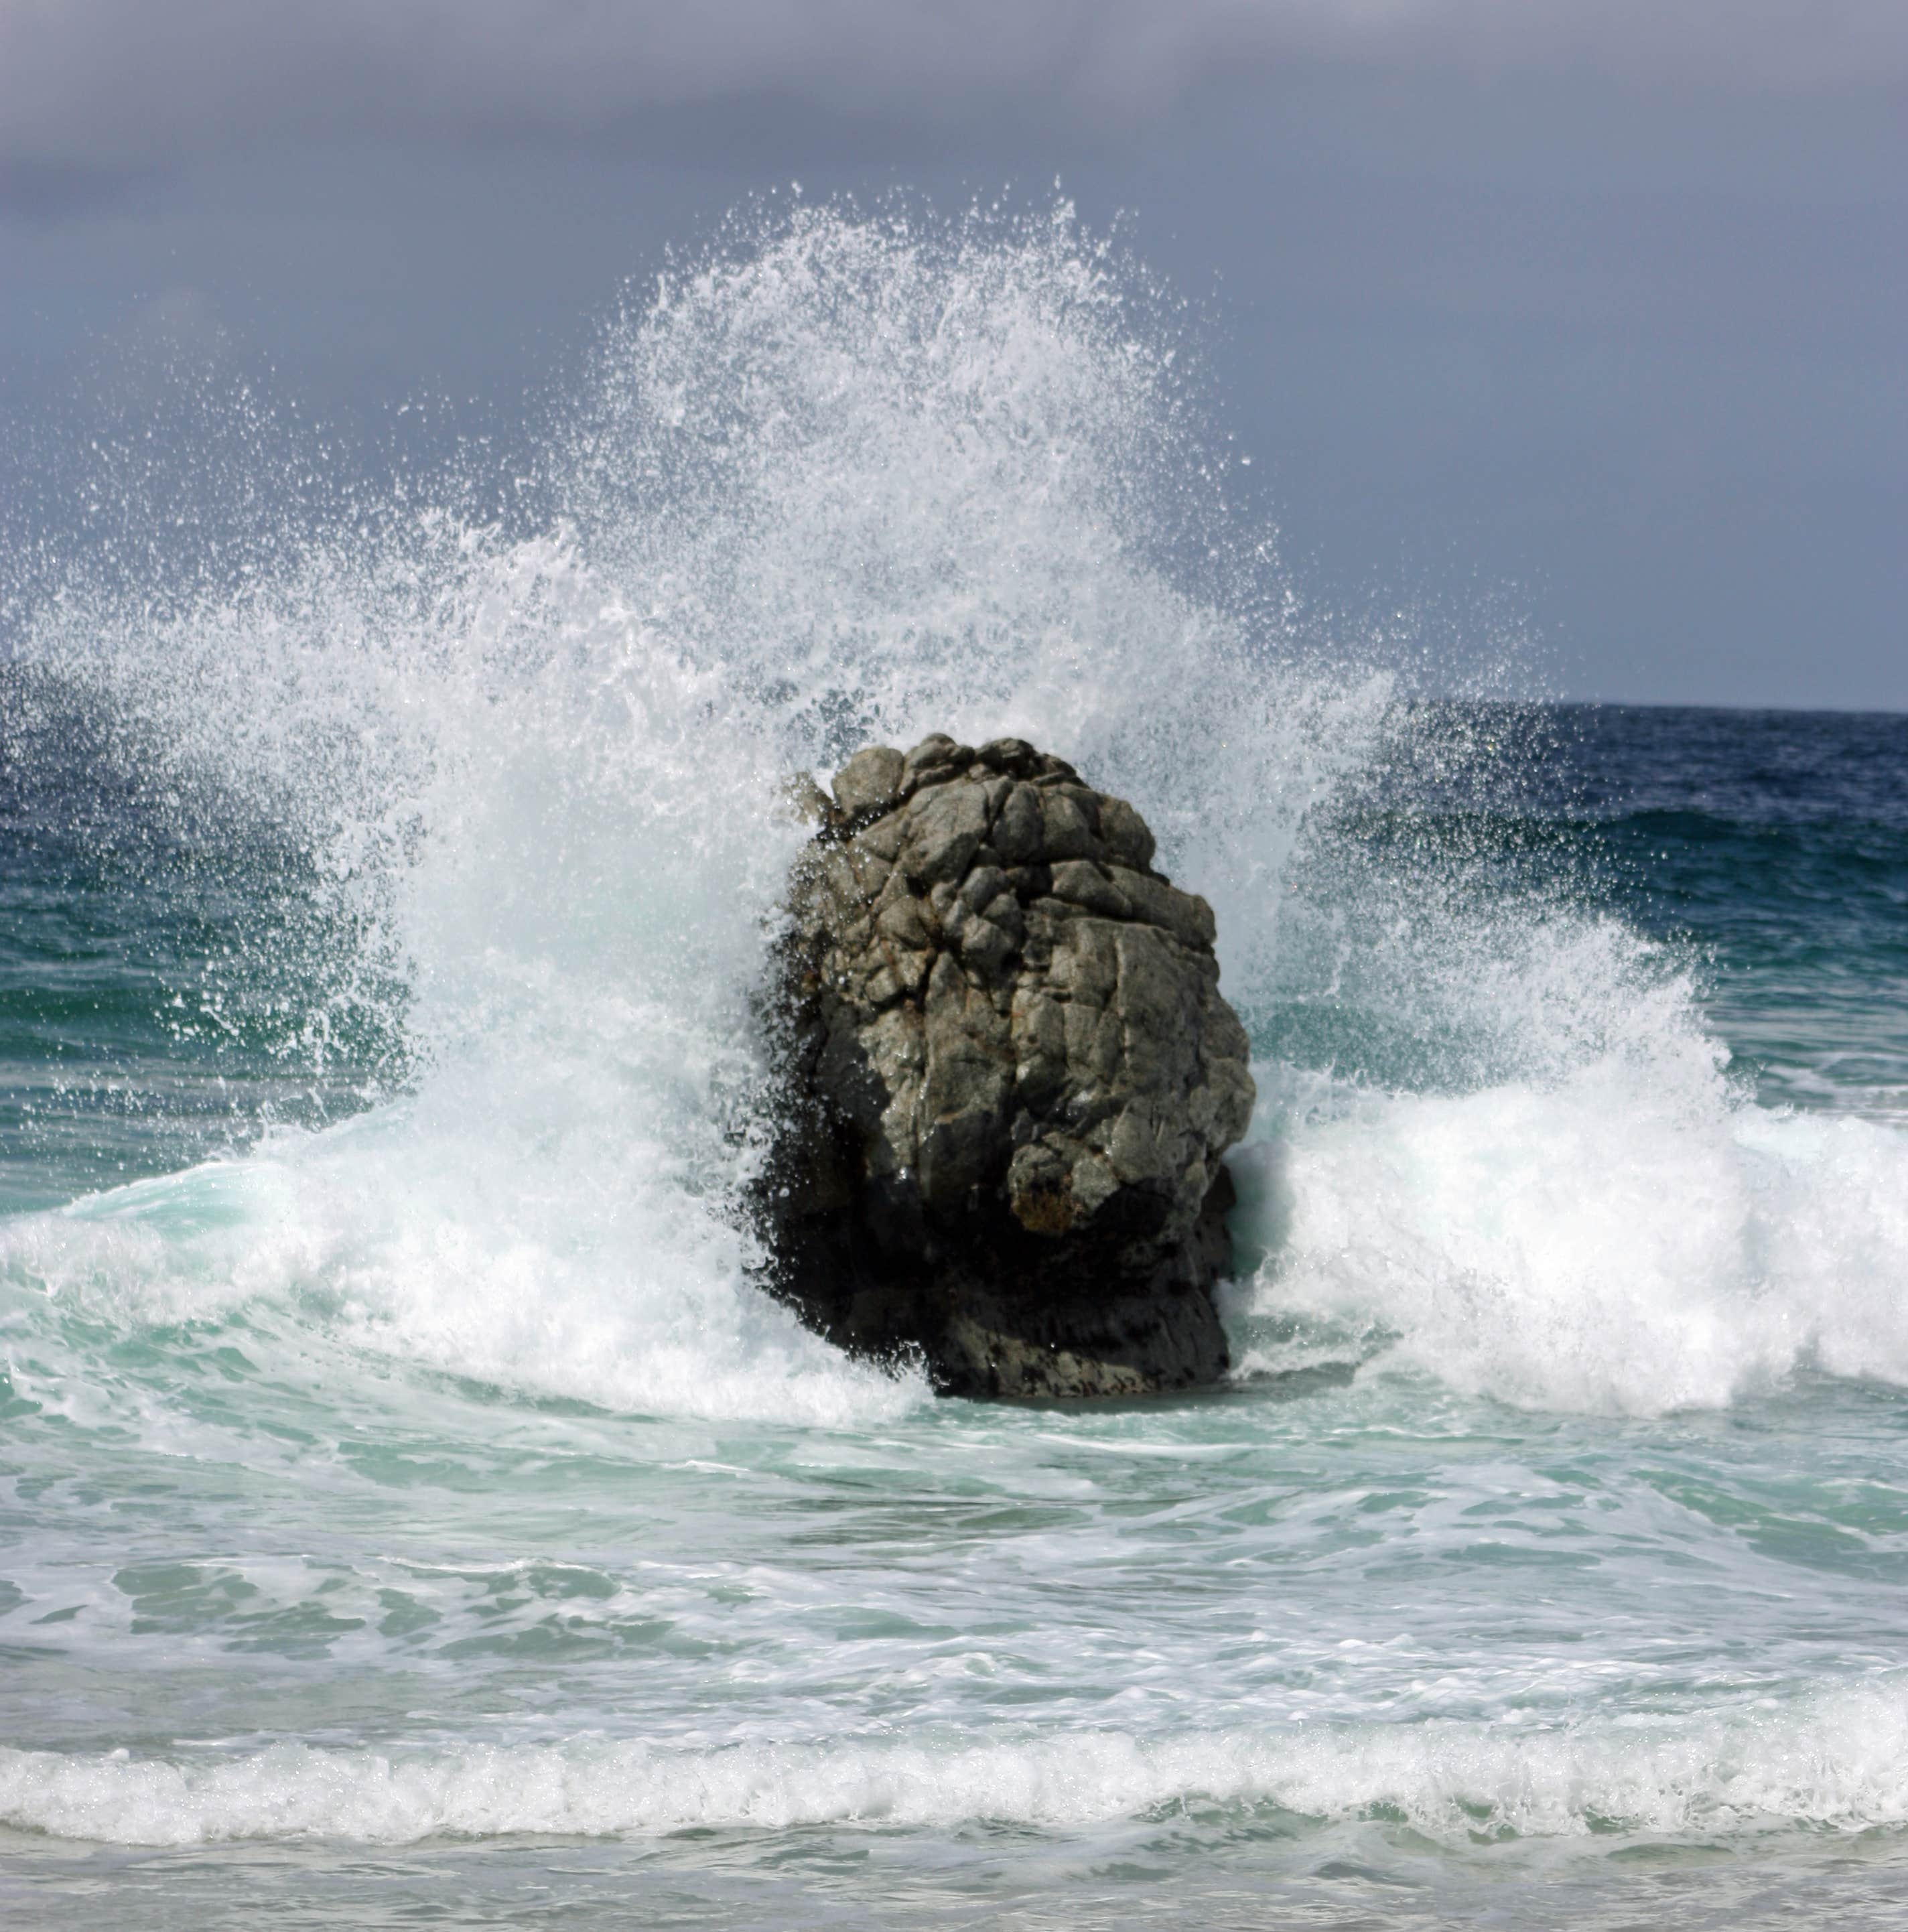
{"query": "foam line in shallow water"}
(1838, 1762)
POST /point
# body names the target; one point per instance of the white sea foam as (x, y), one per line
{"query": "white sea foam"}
(430, 1248)
(862, 477)
(1611, 1241)
(1838, 1763)
(872, 477)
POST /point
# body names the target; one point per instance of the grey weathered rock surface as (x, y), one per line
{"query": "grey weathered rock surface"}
(1010, 1079)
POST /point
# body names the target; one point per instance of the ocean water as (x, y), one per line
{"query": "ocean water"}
(411, 1512)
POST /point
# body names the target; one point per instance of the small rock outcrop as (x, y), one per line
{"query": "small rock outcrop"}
(1009, 1080)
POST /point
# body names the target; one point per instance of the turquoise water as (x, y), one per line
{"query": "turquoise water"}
(411, 1510)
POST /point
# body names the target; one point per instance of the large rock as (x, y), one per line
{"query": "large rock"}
(1009, 1080)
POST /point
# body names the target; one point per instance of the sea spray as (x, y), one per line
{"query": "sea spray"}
(425, 1467)
(847, 474)
(862, 474)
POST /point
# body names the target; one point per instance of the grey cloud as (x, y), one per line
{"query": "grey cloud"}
(110, 85)
(41, 191)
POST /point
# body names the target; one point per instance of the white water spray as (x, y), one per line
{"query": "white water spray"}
(845, 478)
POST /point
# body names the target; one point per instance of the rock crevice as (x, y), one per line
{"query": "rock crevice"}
(1008, 1080)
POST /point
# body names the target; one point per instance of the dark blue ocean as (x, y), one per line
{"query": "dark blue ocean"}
(409, 1510)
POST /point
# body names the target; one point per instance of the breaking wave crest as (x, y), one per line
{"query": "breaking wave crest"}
(1627, 1236)
(1836, 1765)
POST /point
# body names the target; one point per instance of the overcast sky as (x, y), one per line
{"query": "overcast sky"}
(1592, 312)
